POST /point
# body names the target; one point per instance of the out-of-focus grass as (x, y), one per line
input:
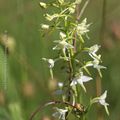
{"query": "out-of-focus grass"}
(28, 78)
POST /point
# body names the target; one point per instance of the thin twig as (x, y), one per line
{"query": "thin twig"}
(103, 22)
(83, 9)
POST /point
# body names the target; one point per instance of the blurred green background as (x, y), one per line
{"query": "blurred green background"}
(28, 81)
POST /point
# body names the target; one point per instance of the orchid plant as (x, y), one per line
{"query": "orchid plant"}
(70, 43)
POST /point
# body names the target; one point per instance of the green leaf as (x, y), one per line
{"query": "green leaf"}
(15, 111)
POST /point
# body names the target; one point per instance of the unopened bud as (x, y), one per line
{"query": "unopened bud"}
(43, 5)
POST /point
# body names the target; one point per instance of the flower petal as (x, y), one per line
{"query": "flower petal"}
(86, 78)
(104, 95)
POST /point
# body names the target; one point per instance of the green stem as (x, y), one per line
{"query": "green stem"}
(51, 73)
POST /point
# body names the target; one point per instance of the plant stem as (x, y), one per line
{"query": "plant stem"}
(70, 62)
(102, 35)
(70, 77)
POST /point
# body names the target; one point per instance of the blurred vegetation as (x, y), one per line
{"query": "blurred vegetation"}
(28, 81)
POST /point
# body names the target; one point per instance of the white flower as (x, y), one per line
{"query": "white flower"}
(43, 5)
(49, 17)
(82, 28)
(44, 26)
(80, 80)
(72, 8)
(95, 64)
(60, 114)
(51, 62)
(92, 51)
(102, 100)
(62, 45)
(62, 35)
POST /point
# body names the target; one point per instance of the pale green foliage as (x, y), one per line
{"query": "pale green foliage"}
(15, 111)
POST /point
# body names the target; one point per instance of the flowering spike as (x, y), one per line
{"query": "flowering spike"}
(69, 44)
